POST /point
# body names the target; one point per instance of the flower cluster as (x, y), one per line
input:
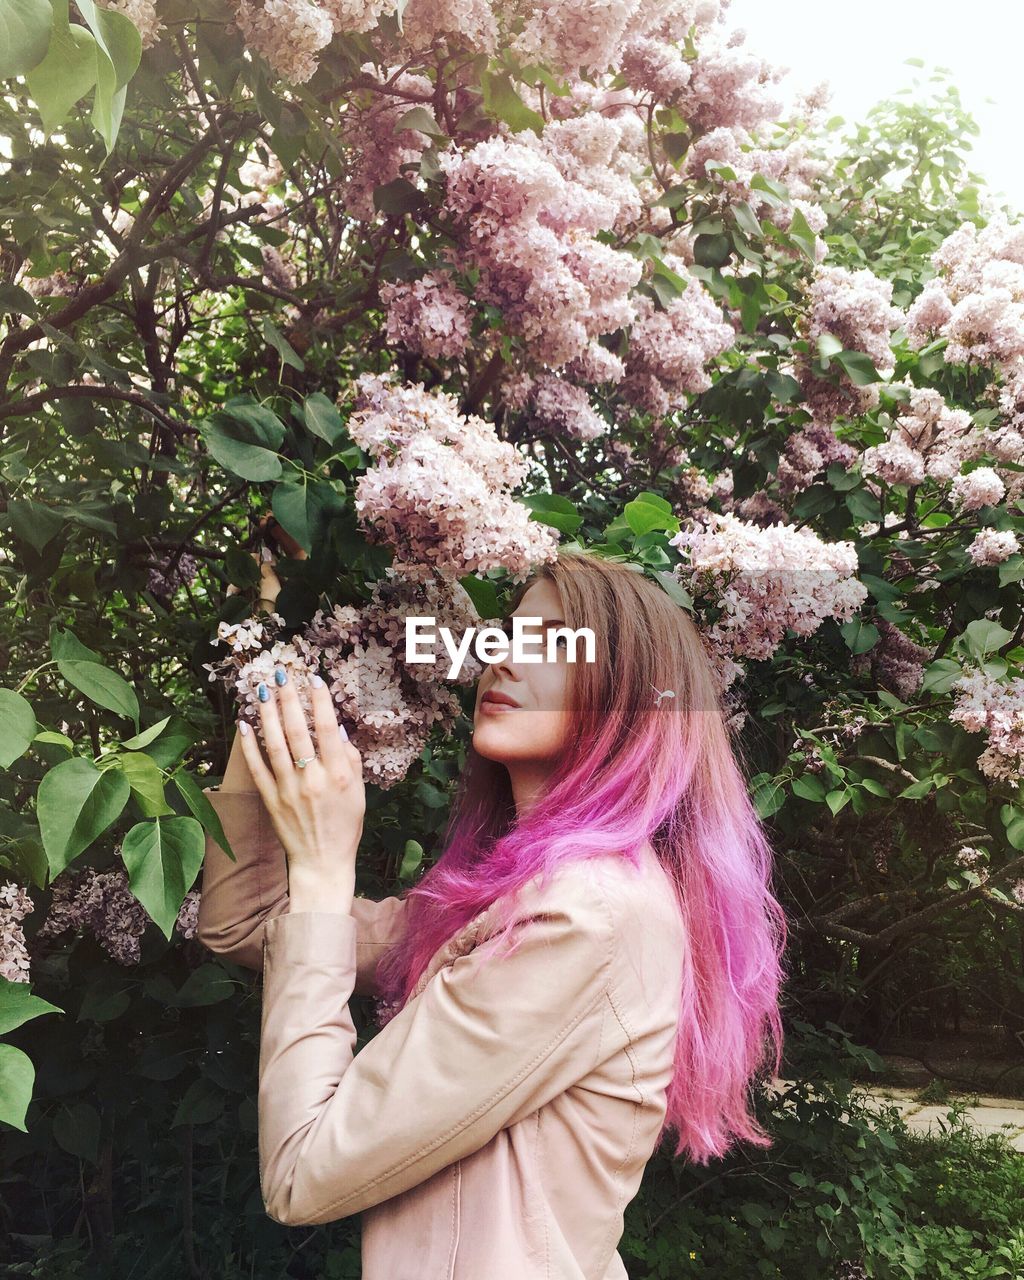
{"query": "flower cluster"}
(528, 210)
(729, 87)
(895, 662)
(440, 492)
(556, 405)
(569, 34)
(788, 164)
(976, 302)
(376, 149)
(670, 349)
(429, 315)
(15, 905)
(290, 33)
(995, 707)
(932, 441)
(855, 308)
(166, 575)
(388, 705)
(472, 22)
(765, 580)
(993, 546)
(807, 453)
(101, 903)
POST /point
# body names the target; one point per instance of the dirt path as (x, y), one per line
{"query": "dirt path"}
(987, 1114)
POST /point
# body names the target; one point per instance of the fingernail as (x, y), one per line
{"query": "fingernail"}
(344, 732)
(243, 728)
(316, 682)
(280, 676)
(262, 692)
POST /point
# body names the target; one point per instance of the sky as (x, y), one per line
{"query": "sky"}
(862, 50)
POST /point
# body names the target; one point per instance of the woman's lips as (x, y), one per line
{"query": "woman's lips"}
(495, 708)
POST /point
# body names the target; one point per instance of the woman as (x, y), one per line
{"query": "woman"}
(593, 962)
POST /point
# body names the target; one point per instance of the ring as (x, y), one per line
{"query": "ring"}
(304, 760)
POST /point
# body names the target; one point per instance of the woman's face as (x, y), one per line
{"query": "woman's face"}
(534, 729)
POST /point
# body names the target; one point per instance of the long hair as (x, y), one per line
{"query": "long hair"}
(633, 772)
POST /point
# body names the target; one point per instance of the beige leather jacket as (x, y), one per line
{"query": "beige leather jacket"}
(498, 1125)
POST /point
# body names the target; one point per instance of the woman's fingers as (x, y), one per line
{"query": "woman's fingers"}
(328, 735)
(257, 766)
(294, 717)
(273, 735)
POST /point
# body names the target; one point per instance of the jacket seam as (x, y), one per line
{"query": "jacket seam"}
(456, 1216)
(486, 1106)
(627, 1049)
(539, 1146)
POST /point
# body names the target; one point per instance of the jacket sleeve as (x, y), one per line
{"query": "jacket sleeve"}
(485, 1043)
(238, 898)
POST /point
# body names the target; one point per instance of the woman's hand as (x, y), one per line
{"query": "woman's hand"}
(317, 810)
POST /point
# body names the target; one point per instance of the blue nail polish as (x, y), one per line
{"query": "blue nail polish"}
(316, 682)
(280, 676)
(262, 692)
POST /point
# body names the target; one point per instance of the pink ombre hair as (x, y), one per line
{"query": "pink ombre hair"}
(633, 773)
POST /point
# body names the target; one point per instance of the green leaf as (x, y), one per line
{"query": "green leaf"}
(83, 668)
(273, 335)
(1011, 570)
(650, 511)
(838, 799)
(420, 119)
(204, 986)
(163, 859)
(712, 251)
(202, 809)
(809, 787)
(106, 997)
(67, 73)
(858, 368)
(799, 230)
(118, 53)
(503, 102)
(746, 220)
(322, 418)
(768, 795)
(860, 636)
(1013, 821)
(259, 424)
(18, 1005)
(397, 197)
(76, 1128)
(940, 675)
(17, 727)
(828, 346)
(412, 858)
(146, 781)
(982, 636)
(552, 509)
(144, 738)
(303, 509)
(75, 804)
(17, 1075)
(241, 447)
(917, 790)
(33, 522)
(202, 1103)
(484, 595)
(673, 588)
(24, 34)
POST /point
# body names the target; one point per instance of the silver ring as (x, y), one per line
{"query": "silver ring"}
(303, 761)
